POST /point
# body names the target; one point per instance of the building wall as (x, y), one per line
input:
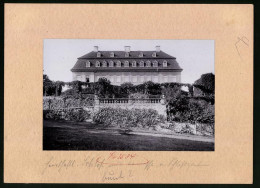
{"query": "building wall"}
(117, 78)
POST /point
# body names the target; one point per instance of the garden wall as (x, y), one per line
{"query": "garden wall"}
(156, 104)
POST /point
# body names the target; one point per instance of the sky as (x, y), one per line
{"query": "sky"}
(195, 57)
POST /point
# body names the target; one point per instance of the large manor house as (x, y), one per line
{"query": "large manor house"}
(127, 66)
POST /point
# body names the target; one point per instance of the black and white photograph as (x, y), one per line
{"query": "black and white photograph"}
(128, 95)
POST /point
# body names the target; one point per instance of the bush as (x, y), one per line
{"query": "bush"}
(77, 115)
(67, 102)
(128, 118)
(138, 96)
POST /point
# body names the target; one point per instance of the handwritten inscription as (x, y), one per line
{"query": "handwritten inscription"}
(176, 163)
(241, 42)
(115, 176)
(115, 159)
(105, 165)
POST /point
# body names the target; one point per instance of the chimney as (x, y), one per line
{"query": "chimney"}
(95, 48)
(157, 48)
(127, 49)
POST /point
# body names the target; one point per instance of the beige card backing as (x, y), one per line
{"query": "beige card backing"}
(27, 25)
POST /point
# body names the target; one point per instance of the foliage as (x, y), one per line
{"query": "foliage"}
(67, 102)
(205, 85)
(191, 111)
(128, 118)
(78, 115)
(138, 96)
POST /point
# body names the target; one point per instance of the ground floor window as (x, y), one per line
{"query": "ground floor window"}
(118, 79)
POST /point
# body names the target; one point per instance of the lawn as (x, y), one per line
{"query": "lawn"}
(62, 135)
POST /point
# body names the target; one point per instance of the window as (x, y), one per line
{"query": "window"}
(155, 79)
(154, 54)
(112, 78)
(97, 64)
(126, 63)
(155, 64)
(134, 64)
(148, 78)
(148, 63)
(141, 54)
(87, 79)
(134, 78)
(141, 78)
(127, 54)
(127, 79)
(104, 64)
(165, 78)
(118, 79)
(118, 64)
(98, 54)
(112, 54)
(164, 63)
(141, 63)
(79, 78)
(172, 78)
(87, 64)
(111, 63)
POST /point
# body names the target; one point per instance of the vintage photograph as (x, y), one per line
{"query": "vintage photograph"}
(128, 95)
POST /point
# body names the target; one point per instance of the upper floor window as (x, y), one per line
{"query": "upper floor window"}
(118, 63)
(126, 63)
(134, 64)
(111, 63)
(104, 64)
(164, 63)
(154, 54)
(141, 54)
(148, 63)
(112, 54)
(97, 64)
(98, 54)
(155, 64)
(141, 63)
(87, 64)
(127, 54)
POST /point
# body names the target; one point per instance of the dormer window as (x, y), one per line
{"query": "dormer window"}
(112, 54)
(155, 64)
(98, 54)
(111, 63)
(118, 63)
(141, 63)
(134, 64)
(141, 54)
(87, 64)
(97, 64)
(126, 63)
(127, 54)
(148, 63)
(164, 63)
(104, 64)
(154, 54)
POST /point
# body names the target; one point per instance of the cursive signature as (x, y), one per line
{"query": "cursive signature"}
(115, 176)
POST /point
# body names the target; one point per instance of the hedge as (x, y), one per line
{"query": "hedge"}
(128, 117)
(77, 115)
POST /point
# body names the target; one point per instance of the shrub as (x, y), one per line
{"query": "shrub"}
(128, 118)
(78, 115)
(138, 96)
(67, 102)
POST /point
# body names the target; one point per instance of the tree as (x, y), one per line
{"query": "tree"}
(48, 86)
(127, 87)
(58, 87)
(103, 87)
